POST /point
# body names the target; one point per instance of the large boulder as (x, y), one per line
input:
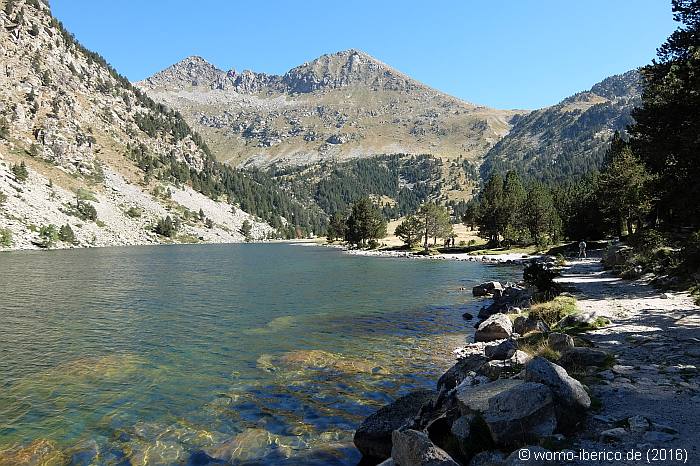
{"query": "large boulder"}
(582, 357)
(486, 289)
(590, 319)
(461, 370)
(373, 437)
(524, 325)
(521, 415)
(560, 341)
(414, 448)
(508, 367)
(496, 327)
(501, 351)
(569, 395)
(475, 398)
(461, 436)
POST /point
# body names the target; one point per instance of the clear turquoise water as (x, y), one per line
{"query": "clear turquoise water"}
(146, 355)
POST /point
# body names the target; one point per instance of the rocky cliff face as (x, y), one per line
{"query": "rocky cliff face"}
(82, 130)
(340, 106)
(571, 137)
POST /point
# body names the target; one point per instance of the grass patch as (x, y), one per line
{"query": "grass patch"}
(553, 311)
(85, 195)
(537, 344)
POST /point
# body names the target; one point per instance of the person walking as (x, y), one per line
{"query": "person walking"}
(582, 249)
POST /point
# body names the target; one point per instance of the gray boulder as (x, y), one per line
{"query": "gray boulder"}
(486, 289)
(524, 325)
(496, 327)
(457, 373)
(521, 415)
(414, 448)
(581, 357)
(560, 341)
(373, 437)
(389, 462)
(571, 398)
(503, 350)
(475, 398)
(508, 367)
(583, 319)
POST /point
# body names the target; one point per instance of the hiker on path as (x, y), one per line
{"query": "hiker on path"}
(582, 249)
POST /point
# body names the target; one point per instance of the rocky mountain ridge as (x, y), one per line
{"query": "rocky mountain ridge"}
(569, 138)
(337, 107)
(74, 133)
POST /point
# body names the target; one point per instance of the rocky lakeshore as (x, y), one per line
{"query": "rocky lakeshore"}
(608, 367)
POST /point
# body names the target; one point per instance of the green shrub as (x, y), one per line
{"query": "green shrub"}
(84, 195)
(166, 227)
(5, 238)
(66, 234)
(134, 212)
(3, 198)
(646, 241)
(87, 211)
(48, 235)
(542, 278)
(20, 171)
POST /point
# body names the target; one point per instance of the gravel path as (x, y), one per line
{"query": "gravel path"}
(651, 397)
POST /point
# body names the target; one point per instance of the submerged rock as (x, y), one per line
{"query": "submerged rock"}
(413, 448)
(40, 452)
(486, 289)
(373, 437)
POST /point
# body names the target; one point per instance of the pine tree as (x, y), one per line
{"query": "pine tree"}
(410, 230)
(336, 227)
(514, 196)
(365, 223)
(665, 133)
(623, 189)
(246, 230)
(541, 217)
(492, 214)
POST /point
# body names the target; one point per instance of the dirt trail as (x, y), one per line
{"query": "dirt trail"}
(655, 338)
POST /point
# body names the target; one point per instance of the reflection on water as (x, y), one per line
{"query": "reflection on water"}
(265, 354)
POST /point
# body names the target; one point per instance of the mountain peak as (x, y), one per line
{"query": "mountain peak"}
(345, 68)
(191, 71)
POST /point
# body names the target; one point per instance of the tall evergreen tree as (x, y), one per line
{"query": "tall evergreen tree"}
(365, 223)
(336, 227)
(410, 230)
(541, 216)
(665, 135)
(623, 189)
(514, 196)
(492, 215)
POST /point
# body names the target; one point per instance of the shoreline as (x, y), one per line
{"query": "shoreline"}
(508, 258)
(640, 370)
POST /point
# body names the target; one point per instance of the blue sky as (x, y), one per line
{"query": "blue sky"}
(500, 53)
